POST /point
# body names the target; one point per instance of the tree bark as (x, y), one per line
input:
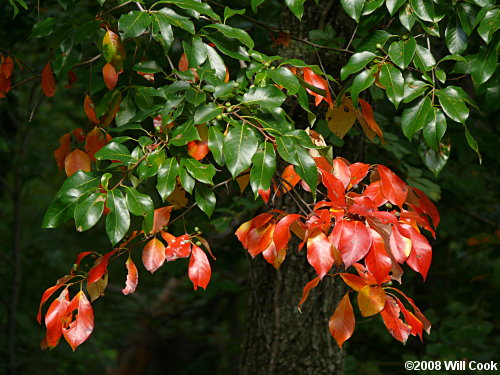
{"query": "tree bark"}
(279, 339)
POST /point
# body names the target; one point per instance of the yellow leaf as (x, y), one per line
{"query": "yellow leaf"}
(340, 119)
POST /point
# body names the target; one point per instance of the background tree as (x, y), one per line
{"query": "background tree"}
(379, 53)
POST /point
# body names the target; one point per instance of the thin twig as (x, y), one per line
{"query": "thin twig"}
(352, 37)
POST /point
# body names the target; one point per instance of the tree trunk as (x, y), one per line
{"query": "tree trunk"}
(279, 339)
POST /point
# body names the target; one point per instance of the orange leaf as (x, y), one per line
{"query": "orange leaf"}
(260, 238)
(5, 85)
(100, 268)
(317, 81)
(54, 318)
(396, 327)
(72, 78)
(355, 282)
(198, 149)
(46, 295)
(178, 198)
(371, 300)
(265, 194)
(342, 322)
(341, 119)
(48, 81)
(282, 231)
(153, 255)
(377, 261)
(305, 293)
(80, 329)
(183, 63)
(273, 256)
(161, 218)
(291, 178)
(110, 76)
(199, 271)
(95, 140)
(243, 180)
(178, 247)
(393, 188)
(367, 115)
(75, 161)
(89, 108)
(132, 277)
(63, 150)
(320, 252)
(7, 67)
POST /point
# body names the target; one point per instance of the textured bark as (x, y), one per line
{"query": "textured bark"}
(279, 339)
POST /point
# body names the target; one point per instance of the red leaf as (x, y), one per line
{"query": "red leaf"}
(132, 277)
(371, 300)
(89, 108)
(317, 81)
(305, 293)
(110, 76)
(54, 318)
(393, 188)
(80, 329)
(48, 81)
(335, 187)
(377, 261)
(374, 192)
(75, 161)
(418, 313)
(95, 140)
(199, 271)
(7, 67)
(153, 255)
(46, 295)
(79, 134)
(63, 150)
(265, 194)
(5, 85)
(358, 172)
(400, 245)
(396, 327)
(274, 257)
(282, 231)
(245, 228)
(352, 239)
(355, 282)
(98, 271)
(178, 247)
(183, 63)
(342, 322)
(341, 171)
(260, 238)
(367, 112)
(161, 218)
(320, 253)
(415, 324)
(427, 206)
(421, 252)
(72, 78)
(198, 149)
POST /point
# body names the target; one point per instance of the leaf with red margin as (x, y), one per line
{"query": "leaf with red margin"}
(396, 327)
(282, 231)
(48, 81)
(367, 112)
(132, 277)
(305, 293)
(75, 161)
(358, 172)
(342, 322)
(80, 329)
(63, 150)
(110, 76)
(355, 282)
(260, 238)
(410, 319)
(374, 192)
(320, 252)
(199, 271)
(100, 268)
(89, 108)
(161, 218)
(274, 257)
(153, 255)
(352, 239)
(371, 300)
(317, 81)
(393, 188)
(377, 261)
(341, 171)
(427, 206)
(421, 251)
(54, 318)
(178, 247)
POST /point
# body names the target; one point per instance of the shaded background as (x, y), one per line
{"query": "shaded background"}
(167, 328)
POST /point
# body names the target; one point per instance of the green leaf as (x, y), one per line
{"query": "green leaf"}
(423, 9)
(115, 151)
(284, 77)
(392, 79)
(296, 6)
(486, 64)
(127, 111)
(394, 5)
(413, 118)
(187, 181)
(228, 12)
(401, 53)
(255, 4)
(134, 23)
(353, 8)
(43, 28)
(174, 19)
(118, 219)
(303, 99)
(196, 52)
(167, 176)
(197, 6)
(306, 169)
(440, 75)
(206, 113)
(240, 145)
(223, 90)
(161, 30)
(263, 168)
(434, 128)
(413, 89)
(216, 62)
(151, 165)
(472, 143)
(453, 58)
(147, 67)
(406, 17)
(435, 160)
(228, 46)
(89, 211)
(216, 144)
(357, 62)
(140, 205)
(233, 32)
(286, 148)
(195, 97)
(452, 101)
(362, 81)
(467, 14)
(205, 199)
(267, 97)
(371, 6)
(489, 25)
(455, 37)
(184, 133)
(201, 172)
(423, 59)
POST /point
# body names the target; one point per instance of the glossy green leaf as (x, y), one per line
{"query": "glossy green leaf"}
(151, 165)
(263, 168)
(452, 101)
(118, 219)
(306, 169)
(197, 6)
(133, 23)
(228, 12)
(296, 6)
(233, 32)
(201, 172)
(401, 53)
(115, 151)
(392, 79)
(440, 75)
(434, 128)
(473, 143)
(167, 176)
(357, 62)
(489, 25)
(423, 59)
(423, 9)
(240, 145)
(435, 160)
(216, 62)
(175, 19)
(184, 133)
(206, 113)
(286, 148)
(467, 15)
(353, 8)
(161, 30)
(413, 89)
(205, 198)
(362, 81)
(229, 46)
(370, 42)
(394, 5)
(140, 205)
(455, 37)
(284, 77)
(371, 6)
(267, 97)
(407, 17)
(216, 144)
(43, 28)
(187, 181)
(486, 64)
(196, 52)
(413, 118)
(255, 4)
(89, 211)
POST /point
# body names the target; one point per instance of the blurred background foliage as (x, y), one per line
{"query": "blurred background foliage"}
(167, 328)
